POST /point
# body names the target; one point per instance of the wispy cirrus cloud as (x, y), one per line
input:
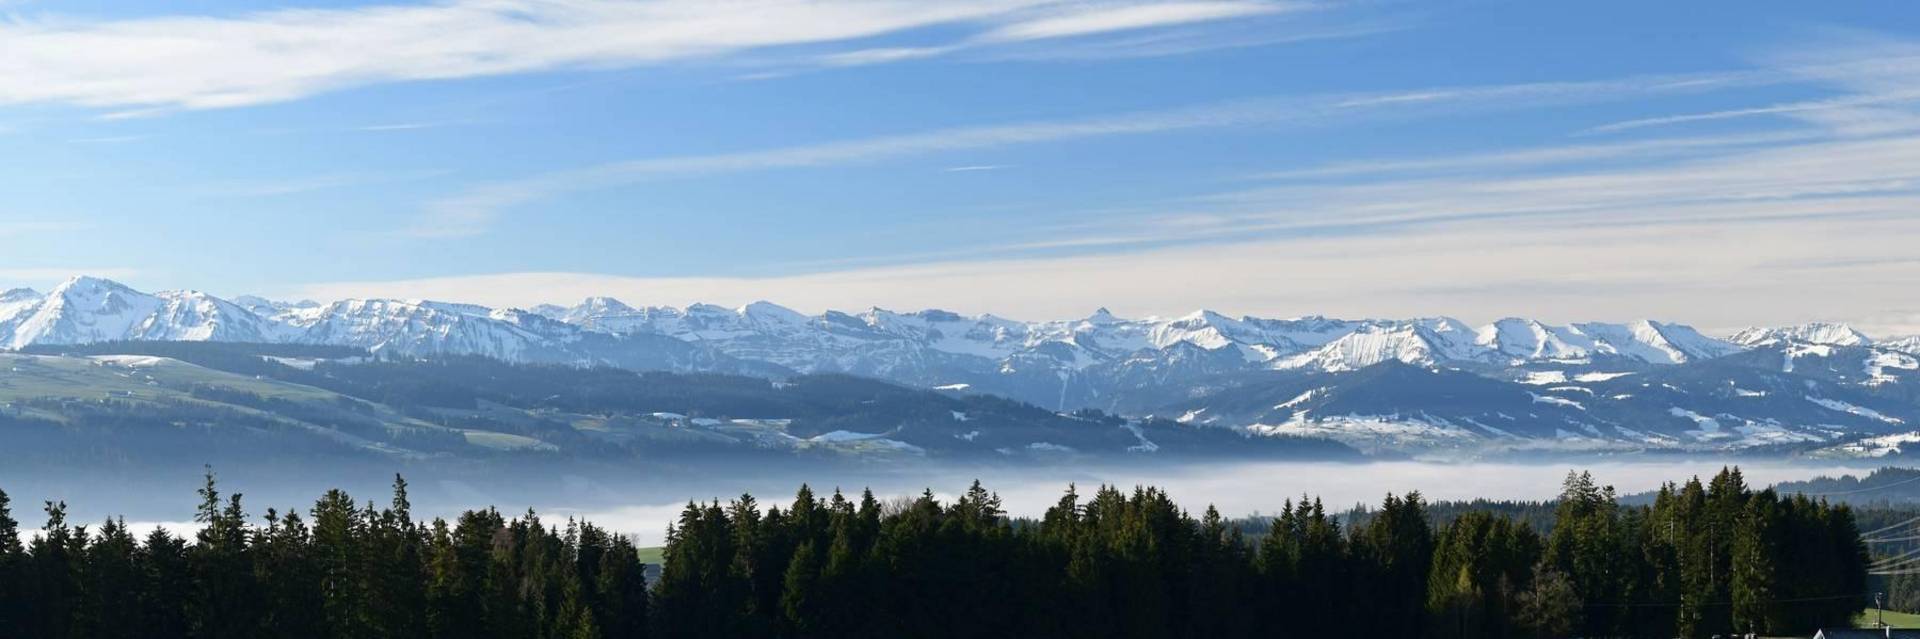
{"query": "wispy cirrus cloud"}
(146, 66)
(1475, 270)
(307, 184)
(1545, 156)
(473, 211)
(1710, 229)
(1791, 108)
(1087, 20)
(1076, 23)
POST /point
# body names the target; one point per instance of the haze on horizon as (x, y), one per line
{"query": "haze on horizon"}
(1032, 158)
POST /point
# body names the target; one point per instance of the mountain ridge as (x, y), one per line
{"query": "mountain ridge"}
(86, 309)
(1103, 361)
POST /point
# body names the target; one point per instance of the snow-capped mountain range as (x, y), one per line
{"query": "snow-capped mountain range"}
(1127, 365)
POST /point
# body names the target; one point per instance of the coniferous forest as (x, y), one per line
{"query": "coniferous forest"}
(1703, 559)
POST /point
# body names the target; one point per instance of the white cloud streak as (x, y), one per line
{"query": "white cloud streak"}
(472, 212)
(1476, 271)
(1848, 102)
(145, 66)
(1087, 21)
(1074, 22)
(1714, 231)
(1638, 150)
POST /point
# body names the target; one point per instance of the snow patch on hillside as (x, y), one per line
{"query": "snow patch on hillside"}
(1837, 405)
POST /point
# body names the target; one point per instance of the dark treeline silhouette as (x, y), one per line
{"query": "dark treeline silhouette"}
(1702, 559)
(345, 570)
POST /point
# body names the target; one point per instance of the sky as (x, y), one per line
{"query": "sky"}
(1720, 164)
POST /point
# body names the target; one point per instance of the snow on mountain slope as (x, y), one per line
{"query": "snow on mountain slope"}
(82, 310)
(1586, 381)
(1525, 339)
(1655, 342)
(1646, 341)
(413, 328)
(1063, 362)
(17, 301)
(911, 346)
(772, 333)
(196, 316)
(980, 336)
(1408, 343)
(1909, 345)
(1812, 333)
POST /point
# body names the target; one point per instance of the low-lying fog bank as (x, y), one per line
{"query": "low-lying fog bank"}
(1237, 490)
(643, 504)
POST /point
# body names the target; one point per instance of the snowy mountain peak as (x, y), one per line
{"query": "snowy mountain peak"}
(1654, 342)
(89, 282)
(15, 302)
(1204, 317)
(766, 311)
(80, 310)
(1528, 339)
(1830, 334)
(600, 304)
(85, 287)
(260, 305)
(1041, 361)
(1419, 342)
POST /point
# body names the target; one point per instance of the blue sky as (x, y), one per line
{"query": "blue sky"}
(1723, 164)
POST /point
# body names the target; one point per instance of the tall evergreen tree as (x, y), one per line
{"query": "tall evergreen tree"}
(110, 578)
(55, 567)
(167, 586)
(224, 602)
(1112, 564)
(13, 596)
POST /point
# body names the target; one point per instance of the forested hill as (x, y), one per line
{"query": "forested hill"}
(1705, 559)
(1890, 486)
(224, 403)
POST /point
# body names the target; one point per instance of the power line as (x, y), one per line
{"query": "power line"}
(1877, 531)
(1888, 561)
(1908, 480)
(1894, 563)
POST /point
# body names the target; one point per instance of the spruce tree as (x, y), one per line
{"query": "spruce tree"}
(54, 573)
(167, 585)
(111, 579)
(13, 596)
